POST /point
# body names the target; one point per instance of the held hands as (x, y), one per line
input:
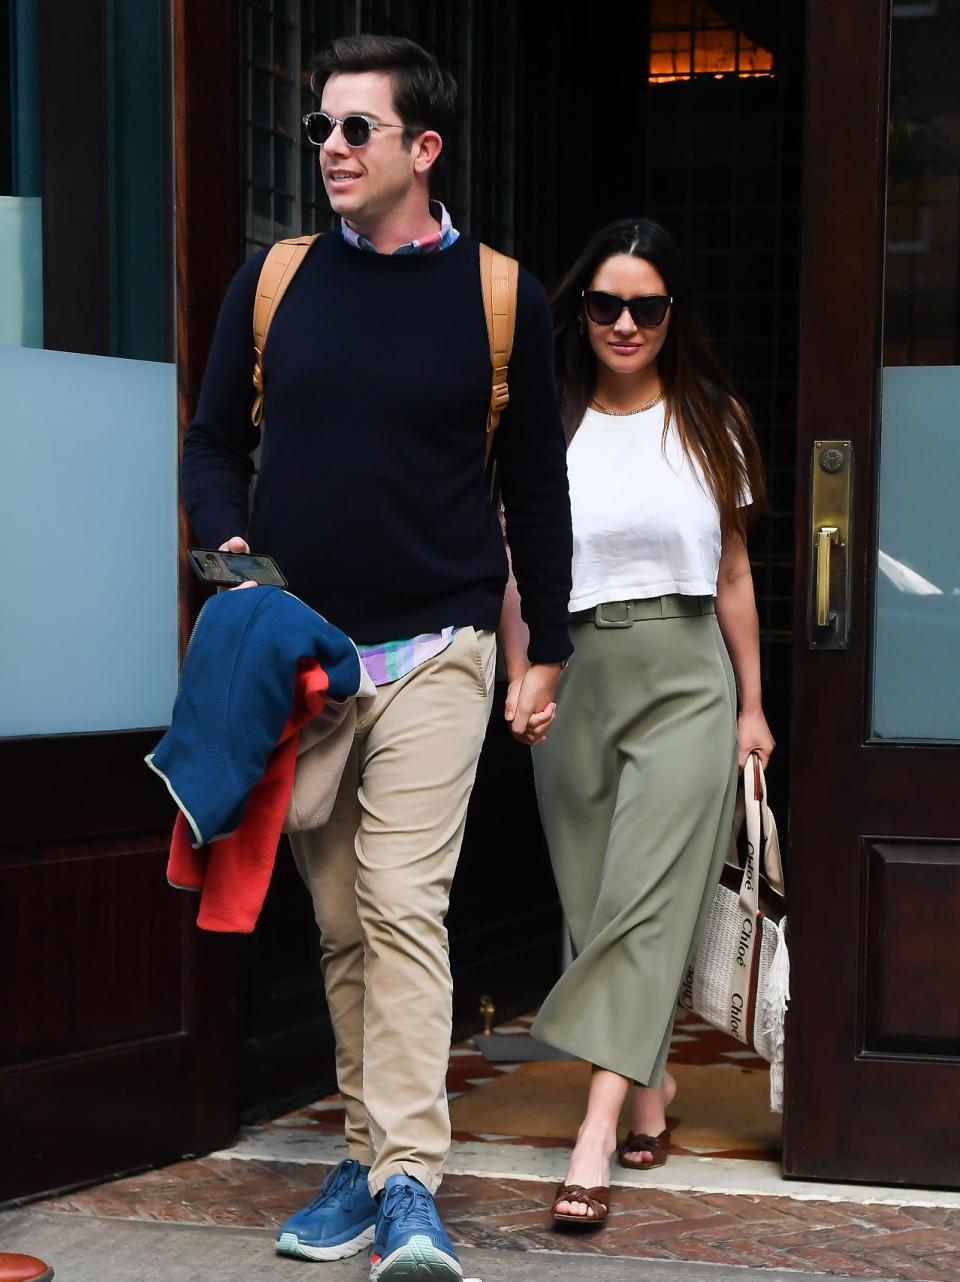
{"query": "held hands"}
(530, 708)
(236, 544)
(754, 733)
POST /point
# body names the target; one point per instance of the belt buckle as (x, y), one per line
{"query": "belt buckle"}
(625, 622)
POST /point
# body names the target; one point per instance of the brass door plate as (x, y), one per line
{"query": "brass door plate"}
(831, 491)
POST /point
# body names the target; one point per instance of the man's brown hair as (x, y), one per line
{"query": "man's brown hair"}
(424, 94)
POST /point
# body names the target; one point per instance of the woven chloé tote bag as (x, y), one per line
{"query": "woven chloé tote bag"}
(739, 977)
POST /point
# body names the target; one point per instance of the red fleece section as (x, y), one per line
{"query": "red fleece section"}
(233, 874)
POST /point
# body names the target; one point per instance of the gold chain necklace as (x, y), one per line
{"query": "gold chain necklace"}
(623, 413)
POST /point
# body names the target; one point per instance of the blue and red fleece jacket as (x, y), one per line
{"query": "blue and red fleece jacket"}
(260, 664)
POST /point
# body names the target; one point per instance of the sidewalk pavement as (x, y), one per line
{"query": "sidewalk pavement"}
(91, 1249)
(215, 1217)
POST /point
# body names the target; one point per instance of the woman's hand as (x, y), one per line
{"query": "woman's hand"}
(753, 734)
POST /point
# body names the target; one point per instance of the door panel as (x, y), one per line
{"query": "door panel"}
(96, 1004)
(911, 907)
(874, 1028)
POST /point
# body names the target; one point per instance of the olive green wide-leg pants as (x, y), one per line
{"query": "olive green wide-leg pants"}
(636, 784)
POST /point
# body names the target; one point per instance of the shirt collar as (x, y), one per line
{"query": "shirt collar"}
(442, 238)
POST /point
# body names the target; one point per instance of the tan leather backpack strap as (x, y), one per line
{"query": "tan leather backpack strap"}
(498, 280)
(279, 268)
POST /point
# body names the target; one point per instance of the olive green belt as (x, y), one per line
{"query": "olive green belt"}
(624, 614)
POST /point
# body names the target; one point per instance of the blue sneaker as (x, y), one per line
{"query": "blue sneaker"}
(338, 1222)
(411, 1244)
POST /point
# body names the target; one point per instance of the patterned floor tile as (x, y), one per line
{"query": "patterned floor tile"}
(693, 1043)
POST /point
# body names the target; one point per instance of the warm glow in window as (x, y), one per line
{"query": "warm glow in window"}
(688, 38)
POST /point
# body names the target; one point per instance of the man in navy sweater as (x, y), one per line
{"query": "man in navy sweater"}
(371, 497)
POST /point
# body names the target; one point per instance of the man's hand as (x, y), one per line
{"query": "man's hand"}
(236, 544)
(531, 708)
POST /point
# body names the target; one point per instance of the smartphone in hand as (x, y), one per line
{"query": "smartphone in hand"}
(227, 569)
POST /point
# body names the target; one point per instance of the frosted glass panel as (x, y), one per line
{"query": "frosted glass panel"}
(88, 532)
(21, 271)
(916, 684)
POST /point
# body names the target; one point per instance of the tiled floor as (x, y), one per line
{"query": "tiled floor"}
(693, 1044)
(911, 1242)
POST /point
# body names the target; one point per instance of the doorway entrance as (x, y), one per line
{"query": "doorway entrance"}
(702, 115)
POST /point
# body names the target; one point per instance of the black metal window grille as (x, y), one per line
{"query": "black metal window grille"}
(271, 121)
(320, 21)
(724, 175)
(691, 38)
(491, 81)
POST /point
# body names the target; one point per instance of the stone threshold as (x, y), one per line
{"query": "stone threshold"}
(682, 1174)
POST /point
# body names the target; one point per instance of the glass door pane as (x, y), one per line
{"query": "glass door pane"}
(916, 686)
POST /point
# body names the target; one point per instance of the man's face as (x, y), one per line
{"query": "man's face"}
(363, 184)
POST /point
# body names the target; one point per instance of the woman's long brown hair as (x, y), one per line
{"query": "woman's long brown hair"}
(712, 421)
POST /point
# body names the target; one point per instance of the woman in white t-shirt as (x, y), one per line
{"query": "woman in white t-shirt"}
(636, 777)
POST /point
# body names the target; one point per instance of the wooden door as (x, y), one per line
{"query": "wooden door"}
(873, 1070)
(118, 1039)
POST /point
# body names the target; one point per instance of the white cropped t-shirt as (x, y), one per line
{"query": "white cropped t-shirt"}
(644, 521)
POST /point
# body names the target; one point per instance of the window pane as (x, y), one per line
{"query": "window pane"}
(916, 693)
(88, 516)
(88, 438)
(21, 271)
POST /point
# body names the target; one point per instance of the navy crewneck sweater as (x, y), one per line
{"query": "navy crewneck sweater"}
(371, 493)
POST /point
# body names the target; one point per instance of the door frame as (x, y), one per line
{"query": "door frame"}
(836, 1089)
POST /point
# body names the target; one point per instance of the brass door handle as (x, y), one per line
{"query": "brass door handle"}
(831, 498)
(827, 535)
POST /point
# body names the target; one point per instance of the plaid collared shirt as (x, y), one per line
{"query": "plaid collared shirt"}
(442, 238)
(390, 660)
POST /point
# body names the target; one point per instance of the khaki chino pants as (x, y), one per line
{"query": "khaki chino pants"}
(380, 872)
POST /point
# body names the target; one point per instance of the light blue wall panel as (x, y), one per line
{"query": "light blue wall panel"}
(88, 539)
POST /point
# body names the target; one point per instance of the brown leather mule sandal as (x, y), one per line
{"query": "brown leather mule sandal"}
(596, 1199)
(658, 1146)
